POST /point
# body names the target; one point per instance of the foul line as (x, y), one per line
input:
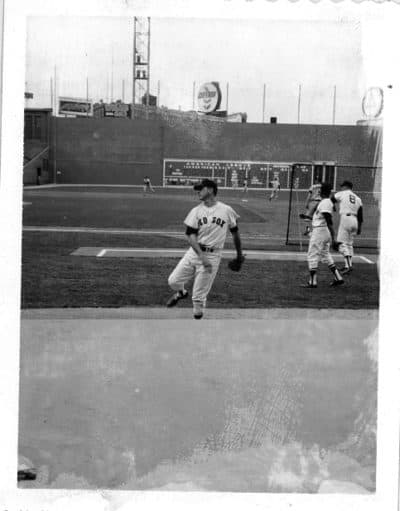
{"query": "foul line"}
(366, 259)
(252, 254)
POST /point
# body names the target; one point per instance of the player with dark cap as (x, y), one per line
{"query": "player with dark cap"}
(206, 227)
(322, 235)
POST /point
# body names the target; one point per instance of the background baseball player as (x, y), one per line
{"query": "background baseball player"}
(147, 186)
(206, 228)
(312, 201)
(322, 235)
(245, 187)
(276, 186)
(351, 219)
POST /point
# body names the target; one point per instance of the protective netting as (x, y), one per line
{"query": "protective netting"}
(366, 184)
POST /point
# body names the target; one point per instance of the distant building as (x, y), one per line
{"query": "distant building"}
(152, 100)
(115, 109)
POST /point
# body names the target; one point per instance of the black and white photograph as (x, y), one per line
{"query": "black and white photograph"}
(200, 295)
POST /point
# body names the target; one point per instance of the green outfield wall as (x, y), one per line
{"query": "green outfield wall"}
(122, 151)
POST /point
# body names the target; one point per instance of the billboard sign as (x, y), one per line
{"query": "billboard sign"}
(372, 103)
(209, 97)
(74, 106)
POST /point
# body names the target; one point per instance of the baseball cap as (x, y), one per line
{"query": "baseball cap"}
(326, 188)
(349, 184)
(206, 183)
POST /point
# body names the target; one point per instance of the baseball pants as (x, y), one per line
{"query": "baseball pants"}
(348, 226)
(191, 266)
(318, 249)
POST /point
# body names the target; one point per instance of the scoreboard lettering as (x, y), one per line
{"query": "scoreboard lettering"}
(231, 174)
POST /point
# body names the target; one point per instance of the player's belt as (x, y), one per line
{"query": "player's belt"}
(350, 214)
(207, 249)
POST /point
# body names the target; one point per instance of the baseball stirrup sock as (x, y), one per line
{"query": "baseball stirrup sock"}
(335, 272)
(347, 261)
(313, 278)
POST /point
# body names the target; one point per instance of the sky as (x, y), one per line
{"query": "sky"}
(244, 53)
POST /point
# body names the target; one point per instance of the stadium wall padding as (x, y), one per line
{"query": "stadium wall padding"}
(122, 151)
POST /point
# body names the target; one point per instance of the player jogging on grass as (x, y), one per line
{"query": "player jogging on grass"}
(351, 219)
(245, 188)
(206, 227)
(312, 201)
(147, 186)
(276, 186)
(322, 235)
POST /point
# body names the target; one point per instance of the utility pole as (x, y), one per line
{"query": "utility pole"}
(299, 106)
(263, 108)
(334, 105)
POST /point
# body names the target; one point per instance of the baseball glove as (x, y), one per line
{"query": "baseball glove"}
(236, 264)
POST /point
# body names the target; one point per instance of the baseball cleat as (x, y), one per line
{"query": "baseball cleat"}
(179, 295)
(336, 283)
(198, 316)
(309, 286)
(345, 271)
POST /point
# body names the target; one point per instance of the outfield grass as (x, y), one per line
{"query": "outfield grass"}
(52, 277)
(127, 208)
(121, 211)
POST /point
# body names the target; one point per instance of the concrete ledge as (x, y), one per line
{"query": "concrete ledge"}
(186, 313)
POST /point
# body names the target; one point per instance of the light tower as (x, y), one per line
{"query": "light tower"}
(141, 62)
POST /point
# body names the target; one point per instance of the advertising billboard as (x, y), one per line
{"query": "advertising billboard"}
(74, 106)
(209, 97)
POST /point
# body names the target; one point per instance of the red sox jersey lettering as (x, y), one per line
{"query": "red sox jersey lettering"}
(212, 223)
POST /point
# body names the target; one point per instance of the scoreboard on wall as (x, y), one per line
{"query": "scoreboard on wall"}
(232, 174)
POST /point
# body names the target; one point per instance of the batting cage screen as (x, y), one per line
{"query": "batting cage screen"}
(366, 184)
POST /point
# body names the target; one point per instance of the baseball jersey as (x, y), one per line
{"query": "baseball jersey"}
(349, 202)
(212, 223)
(315, 192)
(325, 206)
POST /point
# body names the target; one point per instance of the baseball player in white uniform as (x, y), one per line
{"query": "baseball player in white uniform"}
(206, 227)
(147, 186)
(351, 219)
(312, 201)
(245, 187)
(322, 235)
(276, 186)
